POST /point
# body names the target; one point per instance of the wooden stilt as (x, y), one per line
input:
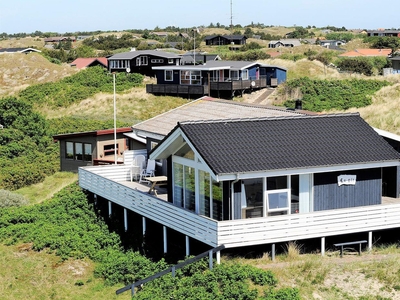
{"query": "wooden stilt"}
(187, 246)
(125, 219)
(273, 252)
(165, 239)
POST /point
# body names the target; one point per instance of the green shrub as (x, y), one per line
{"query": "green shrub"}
(8, 199)
(78, 87)
(321, 95)
(283, 294)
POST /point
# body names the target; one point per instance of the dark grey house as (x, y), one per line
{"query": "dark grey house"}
(217, 78)
(141, 61)
(279, 166)
(198, 58)
(218, 40)
(386, 32)
(247, 176)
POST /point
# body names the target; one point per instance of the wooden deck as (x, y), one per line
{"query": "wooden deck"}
(214, 86)
(113, 183)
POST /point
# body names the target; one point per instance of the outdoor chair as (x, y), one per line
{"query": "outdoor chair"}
(148, 172)
(137, 166)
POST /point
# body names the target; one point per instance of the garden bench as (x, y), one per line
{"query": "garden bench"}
(341, 245)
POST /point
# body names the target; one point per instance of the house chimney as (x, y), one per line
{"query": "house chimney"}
(299, 104)
(133, 49)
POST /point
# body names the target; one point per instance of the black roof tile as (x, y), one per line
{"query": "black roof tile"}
(250, 145)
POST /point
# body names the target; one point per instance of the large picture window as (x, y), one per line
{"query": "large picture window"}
(78, 151)
(184, 192)
(191, 77)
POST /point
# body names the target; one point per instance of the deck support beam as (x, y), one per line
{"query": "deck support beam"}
(165, 239)
(323, 246)
(218, 257)
(187, 245)
(125, 219)
(273, 252)
(369, 240)
(144, 226)
(210, 260)
(109, 209)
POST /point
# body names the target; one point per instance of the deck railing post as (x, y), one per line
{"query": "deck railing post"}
(273, 252)
(133, 290)
(370, 241)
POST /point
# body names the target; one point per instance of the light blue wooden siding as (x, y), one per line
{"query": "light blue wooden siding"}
(281, 75)
(366, 191)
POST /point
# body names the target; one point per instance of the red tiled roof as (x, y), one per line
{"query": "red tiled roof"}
(85, 62)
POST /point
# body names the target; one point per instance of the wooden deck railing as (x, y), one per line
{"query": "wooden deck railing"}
(105, 181)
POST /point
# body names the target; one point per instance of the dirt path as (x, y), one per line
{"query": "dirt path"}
(368, 276)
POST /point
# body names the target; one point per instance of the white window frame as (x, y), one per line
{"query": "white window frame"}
(142, 61)
(172, 75)
(234, 74)
(245, 74)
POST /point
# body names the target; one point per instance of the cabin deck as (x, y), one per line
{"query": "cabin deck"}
(112, 183)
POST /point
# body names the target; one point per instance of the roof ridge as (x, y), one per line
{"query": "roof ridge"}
(268, 118)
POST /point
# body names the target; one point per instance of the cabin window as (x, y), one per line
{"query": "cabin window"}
(278, 195)
(157, 61)
(252, 198)
(87, 154)
(234, 75)
(142, 61)
(210, 197)
(170, 61)
(205, 194)
(185, 180)
(78, 151)
(109, 149)
(178, 184)
(169, 75)
(191, 77)
(189, 188)
(69, 150)
(215, 76)
(185, 152)
(245, 74)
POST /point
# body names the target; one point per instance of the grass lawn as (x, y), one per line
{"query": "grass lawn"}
(27, 274)
(45, 190)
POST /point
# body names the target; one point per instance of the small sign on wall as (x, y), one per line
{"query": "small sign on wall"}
(347, 180)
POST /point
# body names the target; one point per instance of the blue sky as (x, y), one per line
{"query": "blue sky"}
(89, 15)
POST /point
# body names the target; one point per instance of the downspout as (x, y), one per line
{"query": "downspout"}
(231, 211)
